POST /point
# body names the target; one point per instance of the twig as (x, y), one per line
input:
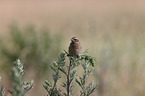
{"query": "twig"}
(85, 80)
(53, 89)
(68, 78)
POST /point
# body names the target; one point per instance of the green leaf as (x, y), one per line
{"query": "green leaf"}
(85, 52)
(28, 88)
(84, 66)
(78, 83)
(55, 64)
(90, 71)
(2, 91)
(53, 68)
(64, 85)
(56, 76)
(64, 94)
(66, 52)
(82, 80)
(92, 62)
(91, 91)
(86, 57)
(89, 88)
(46, 88)
(62, 70)
(61, 60)
(48, 83)
(12, 92)
(62, 55)
(72, 75)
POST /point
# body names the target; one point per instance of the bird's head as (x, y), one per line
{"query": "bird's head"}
(74, 40)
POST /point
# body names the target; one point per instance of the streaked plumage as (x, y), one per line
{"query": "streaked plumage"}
(74, 47)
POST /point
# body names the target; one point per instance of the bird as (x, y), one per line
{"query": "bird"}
(74, 47)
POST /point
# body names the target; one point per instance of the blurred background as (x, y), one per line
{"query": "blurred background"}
(113, 31)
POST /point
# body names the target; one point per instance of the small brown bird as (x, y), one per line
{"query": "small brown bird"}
(74, 47)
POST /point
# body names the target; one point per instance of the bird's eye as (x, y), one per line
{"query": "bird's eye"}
(75, 39)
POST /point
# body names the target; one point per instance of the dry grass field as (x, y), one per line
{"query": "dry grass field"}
(113, 31)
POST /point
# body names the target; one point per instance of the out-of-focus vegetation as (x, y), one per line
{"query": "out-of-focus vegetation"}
(36, 49)
(2, 93)
(113, 32)
(20, 87)
(117, 42)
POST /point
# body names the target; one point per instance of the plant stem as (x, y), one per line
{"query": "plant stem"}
(85, 80)
(68, 78)
(55, 81)
(53, 89)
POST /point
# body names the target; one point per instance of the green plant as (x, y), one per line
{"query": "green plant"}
(20, 88)
(32, 46)
(2, 92)
(70, 72)
(86, 62)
